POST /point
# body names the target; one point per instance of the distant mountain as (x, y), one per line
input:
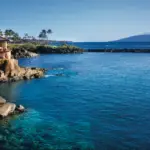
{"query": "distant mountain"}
(136, 38)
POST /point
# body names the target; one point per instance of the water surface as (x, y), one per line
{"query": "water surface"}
(90, 101)
(113, 45)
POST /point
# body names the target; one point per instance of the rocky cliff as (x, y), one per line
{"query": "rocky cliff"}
(10, 71)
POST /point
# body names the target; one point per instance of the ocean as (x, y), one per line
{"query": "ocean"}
(89, 101)
(113, 45)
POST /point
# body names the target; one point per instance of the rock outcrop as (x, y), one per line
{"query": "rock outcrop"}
(10, 71)
(23, 54)
(23, 50)
(20, 108)
(7, 109)
(2, 101)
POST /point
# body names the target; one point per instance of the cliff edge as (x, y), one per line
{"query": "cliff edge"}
(10, 71)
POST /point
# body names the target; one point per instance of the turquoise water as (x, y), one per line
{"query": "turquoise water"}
(90, 101)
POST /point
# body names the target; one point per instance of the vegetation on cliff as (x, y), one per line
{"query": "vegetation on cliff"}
(63, 49)
(30, 50)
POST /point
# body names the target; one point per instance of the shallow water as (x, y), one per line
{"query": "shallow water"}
(90, 101)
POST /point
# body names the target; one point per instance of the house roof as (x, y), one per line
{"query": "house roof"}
(3, 39)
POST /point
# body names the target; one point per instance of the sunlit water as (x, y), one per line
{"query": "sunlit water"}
(90, 101)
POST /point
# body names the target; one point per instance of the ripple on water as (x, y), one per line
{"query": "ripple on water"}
(61, 72)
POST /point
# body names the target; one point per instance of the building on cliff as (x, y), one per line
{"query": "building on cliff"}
(5, 53)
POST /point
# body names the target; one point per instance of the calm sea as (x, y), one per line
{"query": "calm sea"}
(90, 101)
(117, 45)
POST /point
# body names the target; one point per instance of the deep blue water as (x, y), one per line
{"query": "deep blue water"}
(101, 102)
(117, 45)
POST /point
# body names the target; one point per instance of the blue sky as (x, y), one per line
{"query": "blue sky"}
(77, 20)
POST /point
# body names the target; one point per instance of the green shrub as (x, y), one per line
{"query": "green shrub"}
(63, 49)
(28, 47)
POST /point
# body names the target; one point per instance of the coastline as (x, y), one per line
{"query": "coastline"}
(10, 71)
(28, 50)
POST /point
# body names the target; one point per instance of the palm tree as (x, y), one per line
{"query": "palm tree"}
(40, 35)
(49, 31)
(43, 34)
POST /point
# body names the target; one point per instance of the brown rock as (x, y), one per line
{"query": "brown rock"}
(20, 108)
(7, 109)
(11, 71)
(2, 100)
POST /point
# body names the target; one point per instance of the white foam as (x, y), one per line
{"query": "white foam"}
(51, 75)
(58, 69)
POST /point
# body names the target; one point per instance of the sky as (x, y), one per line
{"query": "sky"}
(77, 20)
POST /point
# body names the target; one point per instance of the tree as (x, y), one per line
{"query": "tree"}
(15, 37)
(12, 35)
(43, 34)
(26, 36)
(49, 31)
(1, 33)
(9, 33)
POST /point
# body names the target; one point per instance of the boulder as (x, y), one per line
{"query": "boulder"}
(20, 108)
(7, 109)
(2, 100)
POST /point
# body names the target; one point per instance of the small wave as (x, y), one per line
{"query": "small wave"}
(58, 68)
(51, 75)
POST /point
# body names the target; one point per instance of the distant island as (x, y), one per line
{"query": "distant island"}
(136, 38)
(128, 44)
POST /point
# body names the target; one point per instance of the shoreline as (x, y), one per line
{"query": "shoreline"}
(10, 71)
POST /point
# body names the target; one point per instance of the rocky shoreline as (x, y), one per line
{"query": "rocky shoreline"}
(21, 53)
(10, 71)
(7, 108)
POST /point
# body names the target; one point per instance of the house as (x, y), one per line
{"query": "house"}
(5, 53)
